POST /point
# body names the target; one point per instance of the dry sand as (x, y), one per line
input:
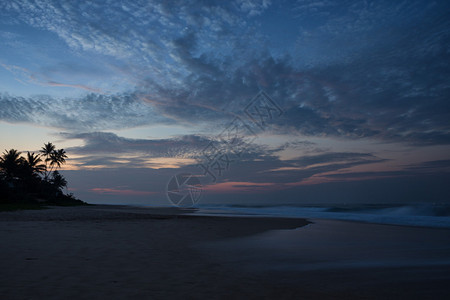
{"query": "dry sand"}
(110, 252)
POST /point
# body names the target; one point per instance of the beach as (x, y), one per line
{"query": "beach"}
(119, 252)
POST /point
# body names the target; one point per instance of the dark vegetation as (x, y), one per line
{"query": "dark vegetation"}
(33, 180)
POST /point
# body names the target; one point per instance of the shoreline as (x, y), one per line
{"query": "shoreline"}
(130, 212)
(169, 210)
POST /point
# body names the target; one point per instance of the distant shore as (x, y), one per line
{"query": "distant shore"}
(119, 252)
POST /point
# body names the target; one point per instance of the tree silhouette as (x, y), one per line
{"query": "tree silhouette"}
(27, 179)
(58, 180)
(53, 158)
(47, 151)
(30, 170)
(57, 158)
(32, 162)
(10, 162)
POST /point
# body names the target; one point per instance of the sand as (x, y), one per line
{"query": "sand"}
(111, 252)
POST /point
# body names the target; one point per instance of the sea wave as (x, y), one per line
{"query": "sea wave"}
(417, 214)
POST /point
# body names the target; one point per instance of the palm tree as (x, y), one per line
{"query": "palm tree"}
(47, 151)
(10, 163)
(58, 158)
(20, 180)
(58, 180)
(32, 162)
(30, 168)
(53, 158)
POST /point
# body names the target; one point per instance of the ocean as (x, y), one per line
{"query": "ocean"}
(415, 214)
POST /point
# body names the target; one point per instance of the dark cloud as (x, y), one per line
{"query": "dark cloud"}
(388, 99)
(397, 189)
(432, 189)
(387, 79)
(262, 167)
(334, 157)
(394, 91)
(110, 143)
(367, 175)
(257, 164)
(413, 170)
(433, 165)
(347, 70)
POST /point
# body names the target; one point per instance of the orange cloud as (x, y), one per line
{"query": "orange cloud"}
(111, 191)
(34, 78)
(77, 86)
(235, 186)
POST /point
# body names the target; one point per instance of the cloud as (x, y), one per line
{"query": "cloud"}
(442, 165)
(121, 192)
(240, 187)
(110, 143)
(416, 170)
(143, 33)
(263, 167)
(351, 176)
(353, 70)
(91, 112)
(259, 164)
(202, 66)
(253, 7)
(378, 96)
(24, 75)
(395, 189)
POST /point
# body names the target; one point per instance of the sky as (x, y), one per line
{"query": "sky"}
(270, 102)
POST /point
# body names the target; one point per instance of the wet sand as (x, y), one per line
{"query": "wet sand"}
(99, 252)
